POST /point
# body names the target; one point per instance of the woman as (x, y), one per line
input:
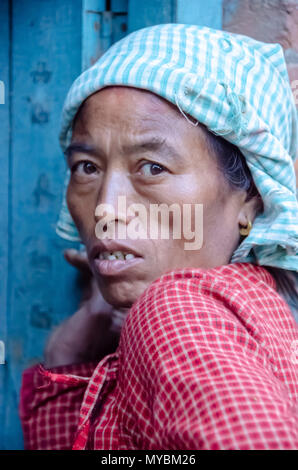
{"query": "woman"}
(206, 357)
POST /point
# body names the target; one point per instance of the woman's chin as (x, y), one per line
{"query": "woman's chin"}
(122, 291)
(119, 296)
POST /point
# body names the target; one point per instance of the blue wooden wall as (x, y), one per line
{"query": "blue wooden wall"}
(43, 46)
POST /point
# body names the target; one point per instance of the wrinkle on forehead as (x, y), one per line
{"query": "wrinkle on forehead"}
(156, 104)
(115, 118)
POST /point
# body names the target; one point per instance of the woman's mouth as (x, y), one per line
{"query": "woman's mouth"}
(113, 255)
(111, 263)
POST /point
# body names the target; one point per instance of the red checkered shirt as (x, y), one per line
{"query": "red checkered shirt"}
(207, 359)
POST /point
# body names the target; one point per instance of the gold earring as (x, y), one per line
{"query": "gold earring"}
(245, 230)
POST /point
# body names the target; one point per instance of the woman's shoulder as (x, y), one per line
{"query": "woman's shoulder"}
(230, 278)
(236, 306)
(238, 292)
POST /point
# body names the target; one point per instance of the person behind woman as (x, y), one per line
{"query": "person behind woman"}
(185, 115)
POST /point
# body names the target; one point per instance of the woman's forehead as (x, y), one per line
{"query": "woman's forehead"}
(127, 101)
(131, 117)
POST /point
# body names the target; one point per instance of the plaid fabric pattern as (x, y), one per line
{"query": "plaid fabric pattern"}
(237, 87)
(50, 404)
(206, 360)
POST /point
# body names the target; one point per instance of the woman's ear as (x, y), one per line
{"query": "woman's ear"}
(248, 211)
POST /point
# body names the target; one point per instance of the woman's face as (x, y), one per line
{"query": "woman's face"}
(130, 143)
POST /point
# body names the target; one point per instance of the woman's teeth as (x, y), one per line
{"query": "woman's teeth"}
(119, 255)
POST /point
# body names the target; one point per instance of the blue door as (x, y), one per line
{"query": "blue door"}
(44, 46)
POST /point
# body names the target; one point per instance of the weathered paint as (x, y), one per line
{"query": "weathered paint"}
(4, 201)
(91, 18)
(118, 6)
(37, 288)
(148, 13)
(200, 12)
(248, 17)
(101, 28)
(41, 289)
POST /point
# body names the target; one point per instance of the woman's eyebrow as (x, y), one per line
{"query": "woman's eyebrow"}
(149, 145)
(79, 147)
(154, 145)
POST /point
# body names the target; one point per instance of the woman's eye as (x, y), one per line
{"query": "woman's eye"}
(152, 169)
(84, 168)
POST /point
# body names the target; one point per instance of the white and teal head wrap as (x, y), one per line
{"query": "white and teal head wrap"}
(239, 89)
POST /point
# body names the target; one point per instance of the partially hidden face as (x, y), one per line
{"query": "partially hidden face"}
(130, 143)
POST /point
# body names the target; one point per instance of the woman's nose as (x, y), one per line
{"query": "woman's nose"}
(114, 197)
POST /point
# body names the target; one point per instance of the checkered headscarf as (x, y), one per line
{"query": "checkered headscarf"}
(239, 89)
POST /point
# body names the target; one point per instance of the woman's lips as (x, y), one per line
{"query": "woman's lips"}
(106, 267)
